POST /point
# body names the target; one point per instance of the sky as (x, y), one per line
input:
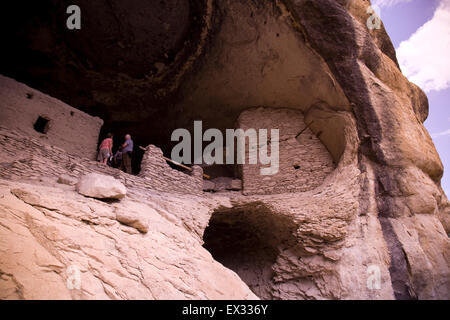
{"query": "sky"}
(420, 32)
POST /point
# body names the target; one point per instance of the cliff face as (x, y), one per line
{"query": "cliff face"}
(379, 215)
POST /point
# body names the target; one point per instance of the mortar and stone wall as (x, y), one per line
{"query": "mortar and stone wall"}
(69, 144)
(155, 169)
(23, 158)
(61, 125)
(304, 162)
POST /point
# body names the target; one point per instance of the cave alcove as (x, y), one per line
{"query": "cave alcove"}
(248, 240)
(123, 64)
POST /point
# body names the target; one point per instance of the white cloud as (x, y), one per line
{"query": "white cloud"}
(388, 3)
(424, 57)
(441, 134)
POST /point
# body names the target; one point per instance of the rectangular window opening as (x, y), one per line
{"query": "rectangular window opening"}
(41, 125)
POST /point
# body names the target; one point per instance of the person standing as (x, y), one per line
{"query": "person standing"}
(105, 149)
(127, 154)
(117, 159)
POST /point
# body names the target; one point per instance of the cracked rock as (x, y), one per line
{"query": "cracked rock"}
(133, 220)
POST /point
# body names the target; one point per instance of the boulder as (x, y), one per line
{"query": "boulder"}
(100, 186)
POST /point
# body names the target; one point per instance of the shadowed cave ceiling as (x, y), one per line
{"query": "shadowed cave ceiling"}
(148, 67)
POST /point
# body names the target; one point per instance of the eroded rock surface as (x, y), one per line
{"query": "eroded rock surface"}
(380, 207)
(47, 230)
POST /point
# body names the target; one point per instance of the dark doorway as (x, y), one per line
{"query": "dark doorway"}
(42, 125)
(248, 241)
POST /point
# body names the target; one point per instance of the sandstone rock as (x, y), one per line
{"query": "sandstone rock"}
(101, 186)
(222, 184)
(65, 179)
(133, 220)
(235, 185)
(208, 185)
(372, 225)
(61, 231)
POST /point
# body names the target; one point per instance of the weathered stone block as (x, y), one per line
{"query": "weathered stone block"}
(101, 186)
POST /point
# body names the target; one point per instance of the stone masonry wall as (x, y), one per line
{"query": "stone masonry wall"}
(68, 128)
(155, 169)
(304, 161)
(25, 158)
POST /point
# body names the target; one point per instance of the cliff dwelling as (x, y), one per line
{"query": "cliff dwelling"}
(358, 182)
(304, 162)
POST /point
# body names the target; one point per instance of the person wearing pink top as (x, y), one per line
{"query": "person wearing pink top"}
(105, 149)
